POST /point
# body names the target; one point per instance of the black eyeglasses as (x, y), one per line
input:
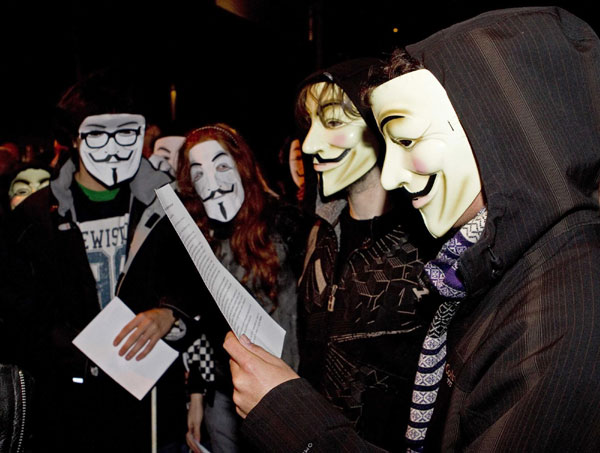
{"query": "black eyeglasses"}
(99, 139)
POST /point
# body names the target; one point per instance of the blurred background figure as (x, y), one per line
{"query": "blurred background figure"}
(28, 180)
(9, 161)
(152, 133)
(166, 152)
(290, 158)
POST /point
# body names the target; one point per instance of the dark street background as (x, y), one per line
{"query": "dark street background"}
(239, 67)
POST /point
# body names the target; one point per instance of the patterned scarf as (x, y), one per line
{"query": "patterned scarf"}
(442, 273)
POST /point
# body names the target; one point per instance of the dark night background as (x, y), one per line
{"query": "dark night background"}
(240, 70)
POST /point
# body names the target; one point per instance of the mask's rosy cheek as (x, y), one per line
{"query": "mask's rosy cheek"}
(421, 166)
(340, 140)
(347, 137)
(428, 157)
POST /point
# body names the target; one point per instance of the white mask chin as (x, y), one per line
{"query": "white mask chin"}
(216, 179)
(111, 146)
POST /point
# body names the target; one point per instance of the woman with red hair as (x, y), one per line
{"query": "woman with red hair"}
(222, 187)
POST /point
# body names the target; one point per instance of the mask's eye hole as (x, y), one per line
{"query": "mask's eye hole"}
(22, 192)
(223, 167)
(196, 175)
(404, 142)
(333, 123)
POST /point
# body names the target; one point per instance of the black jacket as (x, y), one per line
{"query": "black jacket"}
(520, 372)
(16, 396)
(362, 332)
(50, 295)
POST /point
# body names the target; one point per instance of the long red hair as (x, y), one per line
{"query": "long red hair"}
(250, 242)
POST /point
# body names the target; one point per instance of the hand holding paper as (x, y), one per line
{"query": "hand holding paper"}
(96, 341)
(255, 372)
(146, 329)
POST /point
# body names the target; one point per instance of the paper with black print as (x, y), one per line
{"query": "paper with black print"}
(243, 313)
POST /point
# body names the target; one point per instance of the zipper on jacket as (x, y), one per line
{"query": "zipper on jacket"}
(24, 410)
(331, 300)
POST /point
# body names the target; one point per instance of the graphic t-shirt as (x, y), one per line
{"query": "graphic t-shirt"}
(103, 225)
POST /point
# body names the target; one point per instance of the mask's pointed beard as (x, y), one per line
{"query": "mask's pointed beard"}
(223, 211)
(114, 176)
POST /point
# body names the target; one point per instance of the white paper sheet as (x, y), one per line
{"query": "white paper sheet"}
(242, 312)
(96, 342)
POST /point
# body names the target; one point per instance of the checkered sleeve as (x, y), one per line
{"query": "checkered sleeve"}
(199, 362)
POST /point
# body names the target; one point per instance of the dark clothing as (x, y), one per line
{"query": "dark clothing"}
(16, 394)
(522, 349)
(52, 295)
(521, 372)
(362, 334)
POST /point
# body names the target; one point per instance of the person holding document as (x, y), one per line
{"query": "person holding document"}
(251, 233)
(95, 232)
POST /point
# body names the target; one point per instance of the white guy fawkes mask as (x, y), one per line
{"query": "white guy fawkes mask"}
(25, 183)
(337, 142)
(216, 179)
(111, 145)
(427, 150)
(166, 153)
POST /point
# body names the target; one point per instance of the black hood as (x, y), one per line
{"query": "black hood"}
(525, 84)
(350, 76)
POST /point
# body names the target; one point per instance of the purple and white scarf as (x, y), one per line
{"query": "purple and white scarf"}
(442, 273)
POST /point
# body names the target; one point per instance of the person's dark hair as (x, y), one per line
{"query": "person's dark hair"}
(399, 63)
(331, 91)
(250, 241)
(100, 92)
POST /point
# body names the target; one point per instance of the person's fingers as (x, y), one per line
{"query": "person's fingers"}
(149, 346)
(133, 339)
(189, 439)
(125, 331)
(141, 341)
(235, 350)
(237, 402)
(257, 350)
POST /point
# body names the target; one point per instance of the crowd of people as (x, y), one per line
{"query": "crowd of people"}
(437, 280)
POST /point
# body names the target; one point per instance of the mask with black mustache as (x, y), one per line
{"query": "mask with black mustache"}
(216, 179)
(113, 162)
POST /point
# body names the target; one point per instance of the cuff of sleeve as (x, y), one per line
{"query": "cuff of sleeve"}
(184, 330)
(290, 417)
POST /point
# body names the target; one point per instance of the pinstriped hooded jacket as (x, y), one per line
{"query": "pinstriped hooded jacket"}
(521, 373)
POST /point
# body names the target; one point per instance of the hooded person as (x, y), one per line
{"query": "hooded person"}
(96, 231)
(361, 332)
(502, 107)
(496, 133)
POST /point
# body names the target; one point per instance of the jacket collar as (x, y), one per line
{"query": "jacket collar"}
(142, 186)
